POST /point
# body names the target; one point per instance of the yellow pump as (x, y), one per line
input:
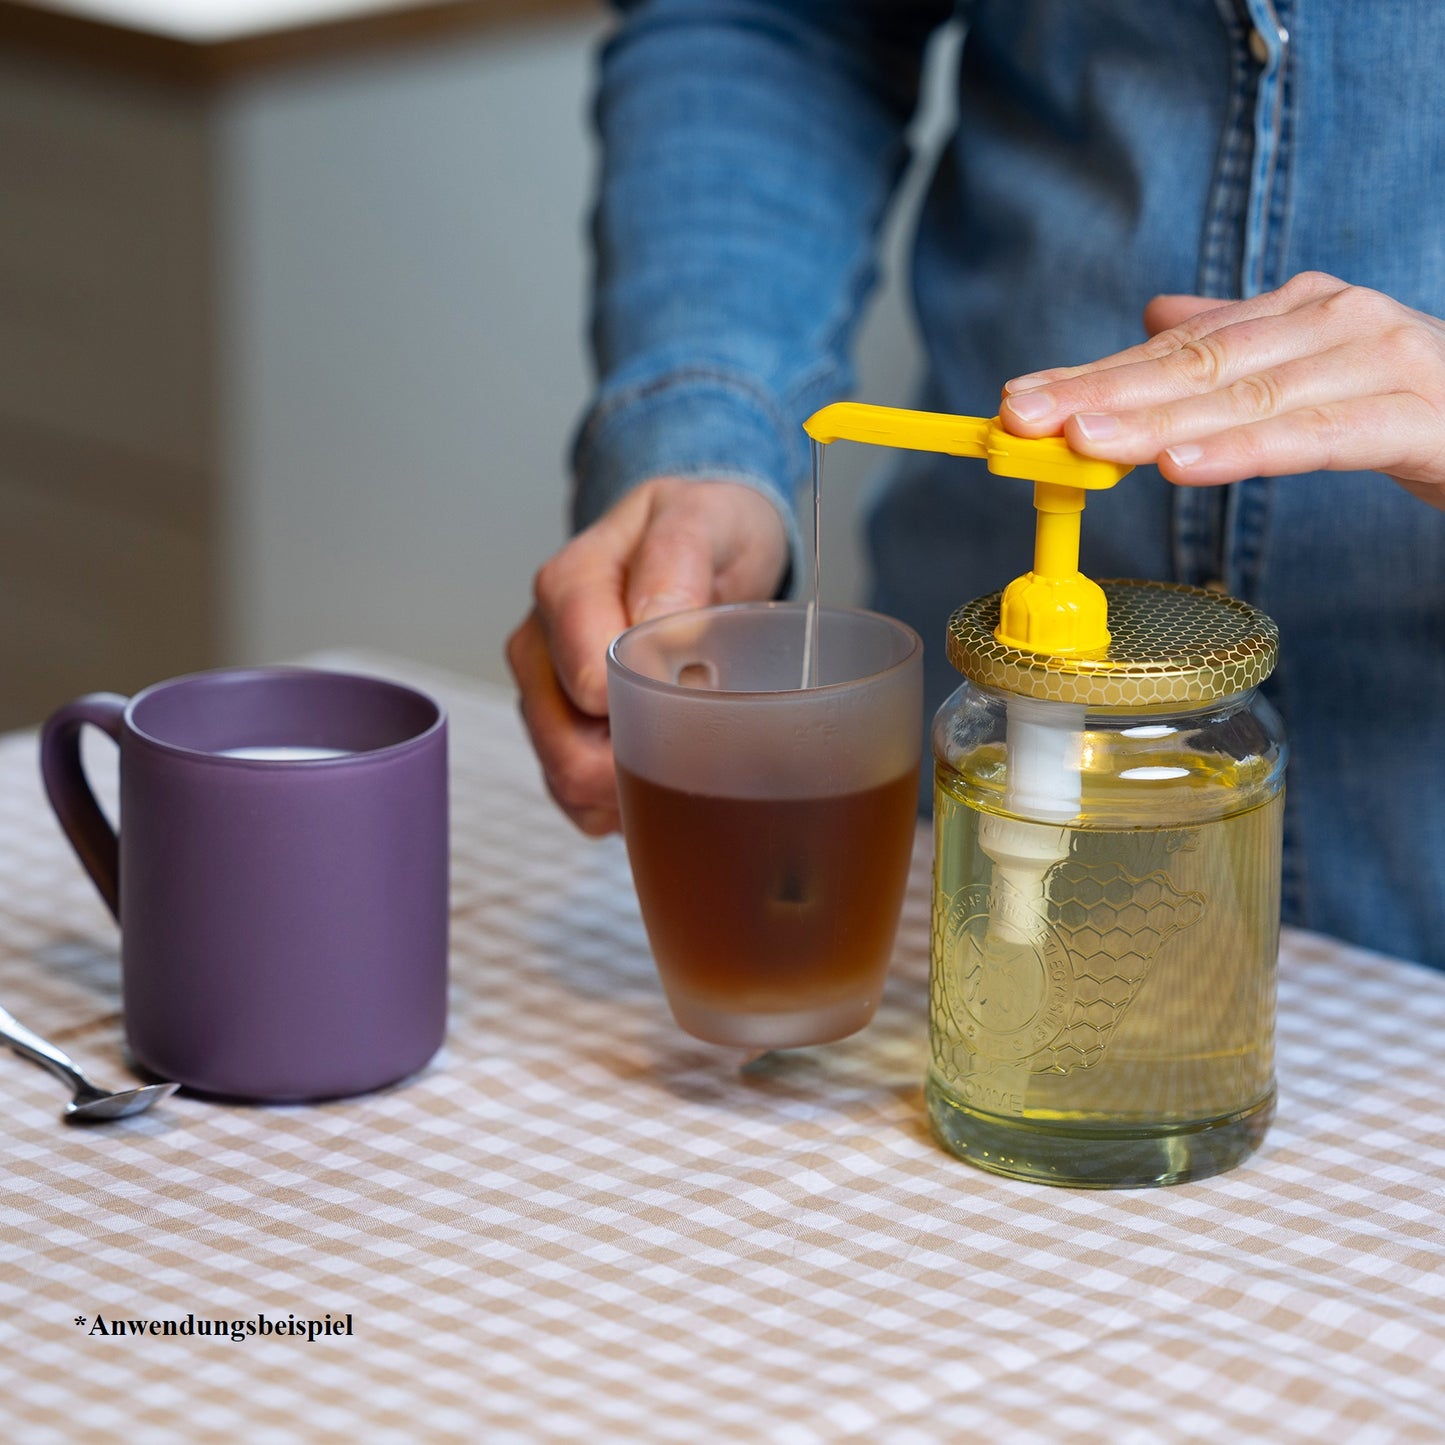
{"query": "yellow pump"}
(1054, 608)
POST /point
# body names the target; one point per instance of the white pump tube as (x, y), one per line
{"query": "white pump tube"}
(1044, 743)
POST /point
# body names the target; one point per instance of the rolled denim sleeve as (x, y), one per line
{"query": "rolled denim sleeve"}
(749, 152)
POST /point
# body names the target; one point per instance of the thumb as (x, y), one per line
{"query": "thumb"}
(672, 569)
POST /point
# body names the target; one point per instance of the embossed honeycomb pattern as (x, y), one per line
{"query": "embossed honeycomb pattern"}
(1169, 644)
(1112, 926)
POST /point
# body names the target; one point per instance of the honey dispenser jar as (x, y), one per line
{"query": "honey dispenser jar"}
(1108, 800)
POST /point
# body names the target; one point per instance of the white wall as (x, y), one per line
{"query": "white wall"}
(403, 285)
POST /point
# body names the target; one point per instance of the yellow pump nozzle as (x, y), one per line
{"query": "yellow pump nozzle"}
(1054, 608)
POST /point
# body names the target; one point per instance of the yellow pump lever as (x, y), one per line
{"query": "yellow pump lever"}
(1054, 608)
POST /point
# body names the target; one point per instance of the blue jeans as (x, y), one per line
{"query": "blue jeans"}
(1106, 150)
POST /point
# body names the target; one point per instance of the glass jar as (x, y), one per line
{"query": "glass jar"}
(1106, 895)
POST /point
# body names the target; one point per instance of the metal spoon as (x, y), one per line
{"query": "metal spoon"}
(91, 1105)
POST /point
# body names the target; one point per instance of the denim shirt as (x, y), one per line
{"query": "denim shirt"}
(1106, 151)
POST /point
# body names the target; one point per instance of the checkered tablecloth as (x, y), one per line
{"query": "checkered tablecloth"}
(579, 1224)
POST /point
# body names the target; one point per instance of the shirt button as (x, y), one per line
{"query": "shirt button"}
(1259, 47)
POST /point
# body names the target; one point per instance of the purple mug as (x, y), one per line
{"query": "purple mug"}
(280, 875)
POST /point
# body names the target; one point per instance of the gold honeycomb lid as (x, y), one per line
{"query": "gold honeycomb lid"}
(1169, 644)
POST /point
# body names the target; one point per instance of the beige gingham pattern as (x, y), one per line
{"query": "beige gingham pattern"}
(579, 1224)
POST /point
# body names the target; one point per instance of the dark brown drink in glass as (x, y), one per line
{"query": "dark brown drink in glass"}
(785, 908)
(767, 775)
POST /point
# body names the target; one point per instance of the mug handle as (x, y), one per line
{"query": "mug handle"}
(94, 840)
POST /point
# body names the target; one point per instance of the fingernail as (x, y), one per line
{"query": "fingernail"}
(1185, 454)
(1097, 426)
(1024, 383)
(1031, 406)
